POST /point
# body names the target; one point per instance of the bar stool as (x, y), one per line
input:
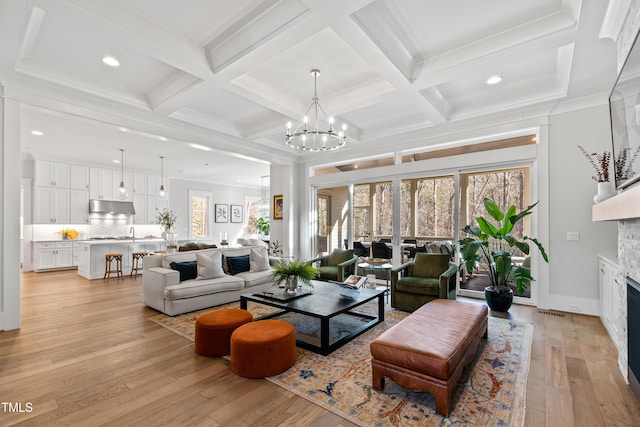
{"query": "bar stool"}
(135, 257)
(107, 265)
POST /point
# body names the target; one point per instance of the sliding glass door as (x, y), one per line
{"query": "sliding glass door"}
(506, 187)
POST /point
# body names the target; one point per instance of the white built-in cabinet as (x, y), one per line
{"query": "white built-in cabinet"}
(79, 177)
(79, 206)
(139, 184)
(140, 205)
(101, 183)
(612, 301)
(52, 174)
(52, 255)
(62, 192)
(147, 205)
(51, 205)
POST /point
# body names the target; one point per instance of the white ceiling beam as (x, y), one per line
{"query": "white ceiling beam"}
(537, 30)
(360, 41)
(31, 32)
(134, 30)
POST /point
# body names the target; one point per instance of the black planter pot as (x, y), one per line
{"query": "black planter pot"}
(498, 301)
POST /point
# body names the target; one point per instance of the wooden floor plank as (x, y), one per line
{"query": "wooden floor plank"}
(88, 355)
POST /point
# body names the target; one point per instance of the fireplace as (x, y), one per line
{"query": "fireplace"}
(633, 330)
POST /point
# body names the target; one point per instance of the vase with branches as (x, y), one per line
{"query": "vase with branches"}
(600, 163)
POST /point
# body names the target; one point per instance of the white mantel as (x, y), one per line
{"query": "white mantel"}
(625, 205)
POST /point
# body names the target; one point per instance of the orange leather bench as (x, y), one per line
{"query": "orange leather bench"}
(429, 350)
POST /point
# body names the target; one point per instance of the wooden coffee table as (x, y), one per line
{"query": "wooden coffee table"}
(324, 303)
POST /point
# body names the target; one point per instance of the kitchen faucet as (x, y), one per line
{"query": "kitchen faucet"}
(133, 230)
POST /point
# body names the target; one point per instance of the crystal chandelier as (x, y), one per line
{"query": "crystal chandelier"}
(307, 135)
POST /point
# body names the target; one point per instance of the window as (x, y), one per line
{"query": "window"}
(361, 212)
(199, 214)
(383, 209)
(505, 187)
(435, 207)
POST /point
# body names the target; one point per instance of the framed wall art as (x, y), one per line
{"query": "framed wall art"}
(236, 213)
(277, 207)
(222, 213)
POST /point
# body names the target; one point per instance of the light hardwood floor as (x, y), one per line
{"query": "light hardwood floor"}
(87, 355)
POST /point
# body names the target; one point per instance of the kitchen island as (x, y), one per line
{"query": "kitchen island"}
(91, 256)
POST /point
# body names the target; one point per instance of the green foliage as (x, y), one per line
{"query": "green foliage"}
(262, 224)
(302, 269)
(493, 244)
(166, 218)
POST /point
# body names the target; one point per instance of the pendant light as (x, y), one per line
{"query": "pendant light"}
(161, 192)
(122, 187)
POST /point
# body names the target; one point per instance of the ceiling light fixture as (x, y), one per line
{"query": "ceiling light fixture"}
(122, 187)
(310, 137)
(494, 80)
(161, 193)
(111, 61)
(37, 132)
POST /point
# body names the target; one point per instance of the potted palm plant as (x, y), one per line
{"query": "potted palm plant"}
(493, 244)
(292, 272)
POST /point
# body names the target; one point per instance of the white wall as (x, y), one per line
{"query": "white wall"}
(10, 214)
(179, 202)
(573, 266)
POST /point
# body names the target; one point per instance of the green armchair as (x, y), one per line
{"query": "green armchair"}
(337, 266)
(428, 277)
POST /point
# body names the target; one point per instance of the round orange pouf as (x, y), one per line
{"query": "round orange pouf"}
(214, 329)
(263, 348)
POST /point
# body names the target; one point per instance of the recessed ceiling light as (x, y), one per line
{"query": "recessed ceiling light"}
(162, 138)
(116, 161)
(494, 80)
(37, 132)
(111, 61)
(123, 129)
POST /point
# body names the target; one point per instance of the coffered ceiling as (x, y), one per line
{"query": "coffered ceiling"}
(228, 74)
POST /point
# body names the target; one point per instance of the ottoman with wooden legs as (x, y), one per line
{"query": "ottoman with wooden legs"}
(429, 350)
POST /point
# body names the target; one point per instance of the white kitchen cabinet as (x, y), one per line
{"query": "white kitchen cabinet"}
(52, 174)
(76, 251)
(51, 205)
(154, 204)
(139, 184)
(140, 205)
(79, 207)
(51, 255)
(79, 177)
(611, 283)
(101, 183)
(127, 178)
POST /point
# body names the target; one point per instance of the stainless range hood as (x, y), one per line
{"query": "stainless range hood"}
(114, 207)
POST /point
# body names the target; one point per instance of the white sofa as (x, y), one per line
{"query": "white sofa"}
(162, 289)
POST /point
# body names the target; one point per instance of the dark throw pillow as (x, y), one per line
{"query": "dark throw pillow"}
(238, 264)
(188, 270)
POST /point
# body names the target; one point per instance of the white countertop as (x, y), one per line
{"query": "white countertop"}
(119, 241)
(103, 241)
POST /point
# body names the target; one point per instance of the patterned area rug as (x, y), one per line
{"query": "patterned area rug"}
(491, 393)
